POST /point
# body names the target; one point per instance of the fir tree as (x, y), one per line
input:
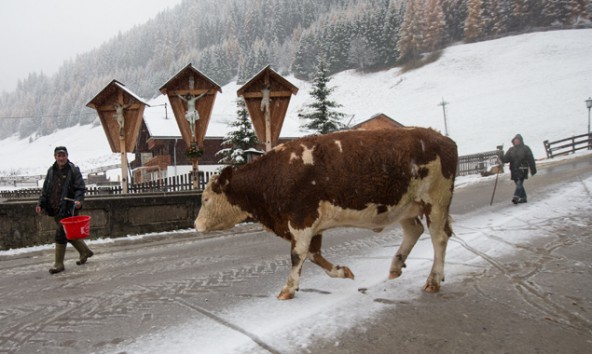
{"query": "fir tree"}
(390, 33)
(307, 49)
(554, 12)
(522, 14)
(320, 115)
(500, 16)
(577, 11)
(436, 26)
(455, 14)
(239, 139)
(475, 22)
(411, 34)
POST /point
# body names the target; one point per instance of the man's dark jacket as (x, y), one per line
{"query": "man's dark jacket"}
(521, 159)
(73, 188)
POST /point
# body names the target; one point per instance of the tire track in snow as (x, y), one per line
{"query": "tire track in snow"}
(229, 325)
(525, 285)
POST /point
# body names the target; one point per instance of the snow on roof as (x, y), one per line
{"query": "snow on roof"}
(279, 78)
(160, 120)
(190, 67)
(121, 86)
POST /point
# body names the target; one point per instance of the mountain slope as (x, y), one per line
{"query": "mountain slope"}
(534, 84)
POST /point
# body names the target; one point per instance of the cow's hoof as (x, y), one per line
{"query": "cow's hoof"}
(394, 275)
(431, 288)
(284, 295)
(347, 273)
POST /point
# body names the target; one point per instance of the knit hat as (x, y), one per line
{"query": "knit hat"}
(60, 149)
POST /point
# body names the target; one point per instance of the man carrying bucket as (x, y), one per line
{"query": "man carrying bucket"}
(61, 197)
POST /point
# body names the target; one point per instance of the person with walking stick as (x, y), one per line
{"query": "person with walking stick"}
(521, 160)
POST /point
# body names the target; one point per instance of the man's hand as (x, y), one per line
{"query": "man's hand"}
(77, 203)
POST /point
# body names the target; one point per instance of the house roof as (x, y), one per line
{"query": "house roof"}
(378, 117)
(160, 120)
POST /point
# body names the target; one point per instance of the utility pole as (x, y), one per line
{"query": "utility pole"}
(443, 104)
(589, 105)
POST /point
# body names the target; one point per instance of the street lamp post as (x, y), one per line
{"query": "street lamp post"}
(443, 104)
(589, 105)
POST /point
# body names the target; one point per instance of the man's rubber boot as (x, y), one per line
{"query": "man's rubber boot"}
(515, 200)
(60, 252)
(83, 250)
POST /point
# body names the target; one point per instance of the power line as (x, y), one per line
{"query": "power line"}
(66, 115)
(49, 116)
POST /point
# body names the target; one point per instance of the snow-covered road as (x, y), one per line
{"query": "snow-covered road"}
(517, 280)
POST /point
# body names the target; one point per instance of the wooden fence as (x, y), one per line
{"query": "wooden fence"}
(477, 163)
(568, 145)
(167, 185)
(20, 180)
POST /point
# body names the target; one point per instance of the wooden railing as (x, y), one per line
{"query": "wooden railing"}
(568, 145)
(28, 193)
(477, 163)
(170, 184)
(20, 180)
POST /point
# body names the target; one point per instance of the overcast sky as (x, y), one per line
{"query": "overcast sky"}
(39, 35)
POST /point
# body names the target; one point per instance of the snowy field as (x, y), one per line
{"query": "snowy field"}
(535, 84)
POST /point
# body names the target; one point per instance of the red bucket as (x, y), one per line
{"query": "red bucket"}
(76, 227)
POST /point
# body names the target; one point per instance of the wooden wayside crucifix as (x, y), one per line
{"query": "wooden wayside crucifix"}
(267, 96)
(192, 96)
(120, 112)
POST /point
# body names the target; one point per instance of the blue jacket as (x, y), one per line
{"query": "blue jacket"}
(73, 188)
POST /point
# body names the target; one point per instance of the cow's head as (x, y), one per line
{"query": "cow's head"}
(216, 212)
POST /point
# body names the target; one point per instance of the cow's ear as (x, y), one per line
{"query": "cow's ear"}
(224, 178)
(215, 185)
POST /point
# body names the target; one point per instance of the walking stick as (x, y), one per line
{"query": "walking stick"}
(500, 165)
(494, 187)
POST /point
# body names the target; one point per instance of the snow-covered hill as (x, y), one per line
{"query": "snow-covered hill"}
(534, 84)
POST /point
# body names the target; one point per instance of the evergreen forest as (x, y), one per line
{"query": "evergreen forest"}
(234, 39)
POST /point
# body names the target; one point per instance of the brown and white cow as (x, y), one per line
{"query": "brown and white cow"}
(367, 179)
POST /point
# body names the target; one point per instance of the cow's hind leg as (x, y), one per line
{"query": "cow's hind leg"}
(440, 230)
(299, 251)
(334, 271)
(412, 229)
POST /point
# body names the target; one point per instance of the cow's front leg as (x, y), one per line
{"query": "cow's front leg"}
(334, 271)
(298, 253)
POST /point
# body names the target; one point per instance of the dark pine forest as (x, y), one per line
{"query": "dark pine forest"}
(233, 39)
